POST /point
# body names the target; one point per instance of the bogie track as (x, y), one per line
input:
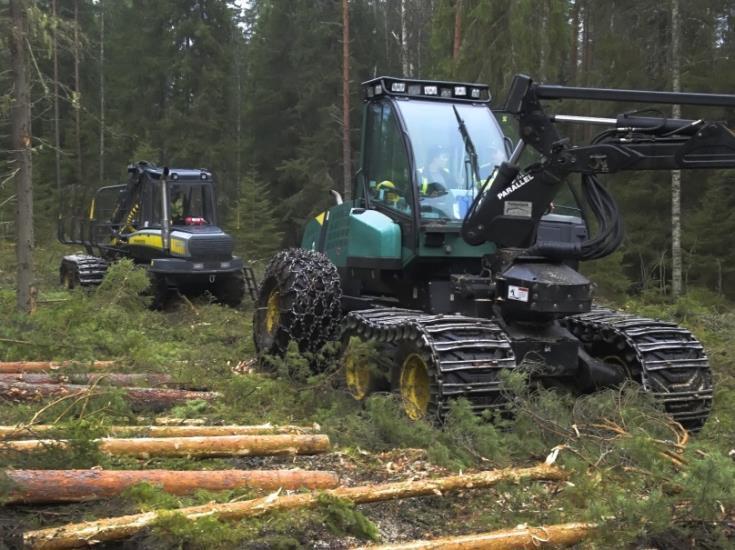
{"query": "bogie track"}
(82, 270)
(666, 359)
(464, 356)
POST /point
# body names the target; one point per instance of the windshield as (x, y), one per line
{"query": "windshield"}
(443, 168)
(189, 203)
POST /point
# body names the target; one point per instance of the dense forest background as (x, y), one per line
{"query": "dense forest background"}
(252, 91)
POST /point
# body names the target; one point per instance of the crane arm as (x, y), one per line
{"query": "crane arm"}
(510, 207)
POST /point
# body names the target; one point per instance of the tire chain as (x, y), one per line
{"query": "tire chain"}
(310, 289)
(673, 366)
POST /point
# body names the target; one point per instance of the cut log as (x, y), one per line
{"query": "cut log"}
(103, 379)
(155, 399)
(81, 534)
(35, 486)
(225, 445)
(25, 432)
(36, 366)
(523, 538)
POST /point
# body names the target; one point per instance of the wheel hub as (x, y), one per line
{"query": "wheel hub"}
(273, 311)
(415, 386)
(357, 375)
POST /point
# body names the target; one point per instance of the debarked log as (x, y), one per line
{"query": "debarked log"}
(224, 445)
(76, 535)
(36, 486)
(101, 378)
(33, 431)
(518, 538)
(154, 399)
(37, 366)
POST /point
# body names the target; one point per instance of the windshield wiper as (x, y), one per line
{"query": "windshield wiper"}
(469, 148)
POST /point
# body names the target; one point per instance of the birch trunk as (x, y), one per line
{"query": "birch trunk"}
(676, 268)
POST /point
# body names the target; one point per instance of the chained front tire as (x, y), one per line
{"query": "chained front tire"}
(299, 301)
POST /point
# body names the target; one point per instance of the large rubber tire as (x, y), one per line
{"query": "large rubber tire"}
(68, 275)
(299, 300)
(230, 289)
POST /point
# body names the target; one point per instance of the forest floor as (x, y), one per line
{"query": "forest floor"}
(618, 478)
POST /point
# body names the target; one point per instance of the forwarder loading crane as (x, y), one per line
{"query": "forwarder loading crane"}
(164, 219)
(457, 282)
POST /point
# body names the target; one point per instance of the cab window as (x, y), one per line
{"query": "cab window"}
(385, 161)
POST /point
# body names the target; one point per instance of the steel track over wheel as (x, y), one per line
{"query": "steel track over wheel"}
(667, 360)
(440, 358)
(299, 300)
(82, 270)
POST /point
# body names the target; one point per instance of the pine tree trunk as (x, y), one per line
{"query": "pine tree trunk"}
(21, 143)
(157, 380)
(565, 534)
(36, 430)
(109, 529)
(36, 486)
(346, 154)
(102, 92)
(197, 446)
(154, 399)
(676, 268)
(36, 366)
(77, 99)
(457, 32)
(57, 131)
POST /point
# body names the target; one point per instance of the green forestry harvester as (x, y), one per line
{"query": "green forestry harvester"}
(166, 220)
(454, 259)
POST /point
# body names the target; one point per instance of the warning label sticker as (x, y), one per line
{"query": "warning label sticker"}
(519, 293)
(521, 209)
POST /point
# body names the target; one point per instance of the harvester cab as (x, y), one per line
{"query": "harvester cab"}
(165, 219)
(456, 259)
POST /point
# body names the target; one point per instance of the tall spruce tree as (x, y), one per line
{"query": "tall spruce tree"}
(254, 222)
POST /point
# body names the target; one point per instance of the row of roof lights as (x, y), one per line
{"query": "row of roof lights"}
(202, 176)
(427, 90)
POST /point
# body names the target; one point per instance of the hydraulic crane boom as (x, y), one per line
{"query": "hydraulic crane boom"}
(508, 211)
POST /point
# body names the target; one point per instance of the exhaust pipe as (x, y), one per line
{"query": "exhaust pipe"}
(165, 227)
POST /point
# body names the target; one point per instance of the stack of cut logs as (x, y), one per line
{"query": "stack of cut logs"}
(173, 438)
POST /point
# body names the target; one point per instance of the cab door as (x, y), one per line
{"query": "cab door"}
(384, 181)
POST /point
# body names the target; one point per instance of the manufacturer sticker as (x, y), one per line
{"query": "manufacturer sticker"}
(520, 209)
(518, 293)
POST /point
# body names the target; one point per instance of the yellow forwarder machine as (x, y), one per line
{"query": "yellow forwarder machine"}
(165, 219)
